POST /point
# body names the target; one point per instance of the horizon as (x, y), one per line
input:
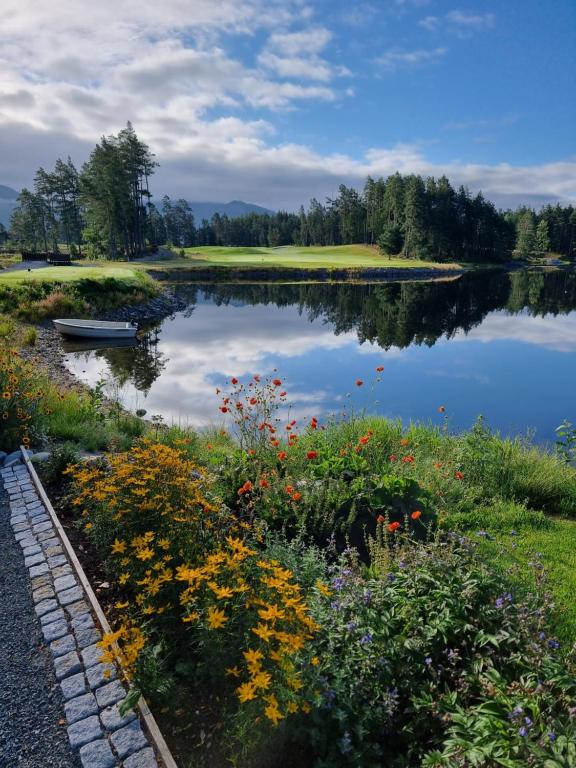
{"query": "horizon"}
(276, 103)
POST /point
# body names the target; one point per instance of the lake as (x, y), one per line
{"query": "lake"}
(493, 344)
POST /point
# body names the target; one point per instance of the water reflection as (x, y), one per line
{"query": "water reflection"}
(490, 343)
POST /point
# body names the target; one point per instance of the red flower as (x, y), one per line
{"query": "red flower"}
(246, 488)
(404, 441)
(275, 443)
(442, 409)
(416, 514)
(393, 527)
(380, 368)
(458, 475)
(359, 382)
(312, 455)
(264, 483)
(234, 380)
(296, 496)
(283, 394)
(239, 406)
(289, 490)
(392, 457)
(380, 519)
(224, 409)
(277, 383)
(364, 440)
(282, 455)
(256, 377)
(251, 452)
(407, 459)
(253, 400)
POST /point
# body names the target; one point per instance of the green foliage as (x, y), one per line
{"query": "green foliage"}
(435, 658)
(566, 441)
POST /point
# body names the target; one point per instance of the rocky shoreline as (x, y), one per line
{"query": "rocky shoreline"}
(48, 351)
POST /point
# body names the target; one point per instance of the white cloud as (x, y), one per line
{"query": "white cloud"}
(393, 60)
(459, 22)
(557, 333)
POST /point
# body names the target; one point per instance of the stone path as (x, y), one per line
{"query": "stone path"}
(90, 693)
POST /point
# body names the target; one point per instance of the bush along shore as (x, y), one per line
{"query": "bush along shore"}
(349, 593)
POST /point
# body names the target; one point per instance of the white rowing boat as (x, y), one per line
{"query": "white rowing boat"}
(99, 329)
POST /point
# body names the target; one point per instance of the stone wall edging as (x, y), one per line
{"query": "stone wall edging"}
(66, 607)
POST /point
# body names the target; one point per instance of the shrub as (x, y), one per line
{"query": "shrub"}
(435, 663)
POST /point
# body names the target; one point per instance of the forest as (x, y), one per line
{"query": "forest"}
(105, 210)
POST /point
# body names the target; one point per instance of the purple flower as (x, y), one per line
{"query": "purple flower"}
(552, 736)
(499, 602)
(554, 644)
(391, 577)
(428, 661)
(345, 743)
(338, 583)
(366, 639)
(523, 731)
(527, 721)
(351, 626)
(542, 635)
(367, 597)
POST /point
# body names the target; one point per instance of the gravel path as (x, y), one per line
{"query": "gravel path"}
(31, 704)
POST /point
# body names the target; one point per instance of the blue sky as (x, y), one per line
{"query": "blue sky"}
(274, 101)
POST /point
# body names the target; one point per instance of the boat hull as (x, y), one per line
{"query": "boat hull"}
(95, 329)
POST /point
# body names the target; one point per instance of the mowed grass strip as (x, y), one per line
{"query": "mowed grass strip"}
(69, 274)
(300, 257)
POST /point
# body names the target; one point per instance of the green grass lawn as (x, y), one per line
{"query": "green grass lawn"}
(69, 274)
(339, 256)
(556, 544)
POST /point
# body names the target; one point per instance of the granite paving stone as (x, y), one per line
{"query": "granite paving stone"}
(110, 694)
(57, 560)
(45, 606)
(129, 739)
(82, 621)
(67, 665)
(112, 720)
(74, 686)
(43, 593)
(64, 582)
(84, 731)
(75, 609)
(63, 645)
(91, 655)
(80, 707)
(34, 559)
(143, 759)
(48, 618)
(55, 630)
(69, 596)
(100, 674)
(97, 754)
(33, 549)
(42, 527)
(61, 570)
(86, 637)
(38, 570)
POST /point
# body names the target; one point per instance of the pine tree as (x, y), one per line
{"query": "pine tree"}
(542, 240)
(525, 235)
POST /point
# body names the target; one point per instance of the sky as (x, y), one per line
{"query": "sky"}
(277, 101)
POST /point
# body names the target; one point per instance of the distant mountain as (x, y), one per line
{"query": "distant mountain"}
(7, 203)
(232, 210)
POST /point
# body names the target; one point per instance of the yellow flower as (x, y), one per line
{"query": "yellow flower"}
(253, 656)
(246, 692)
(292, 707)
(191, 617)
(263, 631)
(233, 671)
(123, 578)
(315, 661)
(273, 713)
(271, 612)
(321, 587)
(216, 618)
(262, 680)
(145, 554)
(118, 547)
(121, 605)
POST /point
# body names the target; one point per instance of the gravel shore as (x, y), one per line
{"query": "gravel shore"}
(32, 728)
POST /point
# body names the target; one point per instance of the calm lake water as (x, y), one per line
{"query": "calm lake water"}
(499, 345)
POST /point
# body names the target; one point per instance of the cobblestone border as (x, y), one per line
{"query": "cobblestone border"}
(91, 690)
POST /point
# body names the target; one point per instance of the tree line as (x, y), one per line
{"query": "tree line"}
(106, 210)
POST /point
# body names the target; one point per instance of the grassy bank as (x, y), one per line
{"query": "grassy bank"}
(80, 291)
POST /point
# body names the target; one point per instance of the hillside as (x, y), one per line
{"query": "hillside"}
(232, 209)
(7, 202)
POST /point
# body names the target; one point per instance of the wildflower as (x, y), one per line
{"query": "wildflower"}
(442, 409)
(224, 409)
(282, 455)
(246, 692)
(458, 475)
(118, 547)
(380, 519)
(416, 514)
(315, 661)
(277, 383)
(264, 483)
(312, 455)
(246, 488)
(283, 394)
(393, 527)
(233, 671)
(359, 382)
(263, 631)
(428, 661)
(523, 731)
(392, 457)
(404, 442)
(380, 368)
(364, 440)
(296, 496)
(273, 713)
(408, 459)
(216, 618)
(253, 400)
(554, 644)
(367, 638)
(234, 380)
